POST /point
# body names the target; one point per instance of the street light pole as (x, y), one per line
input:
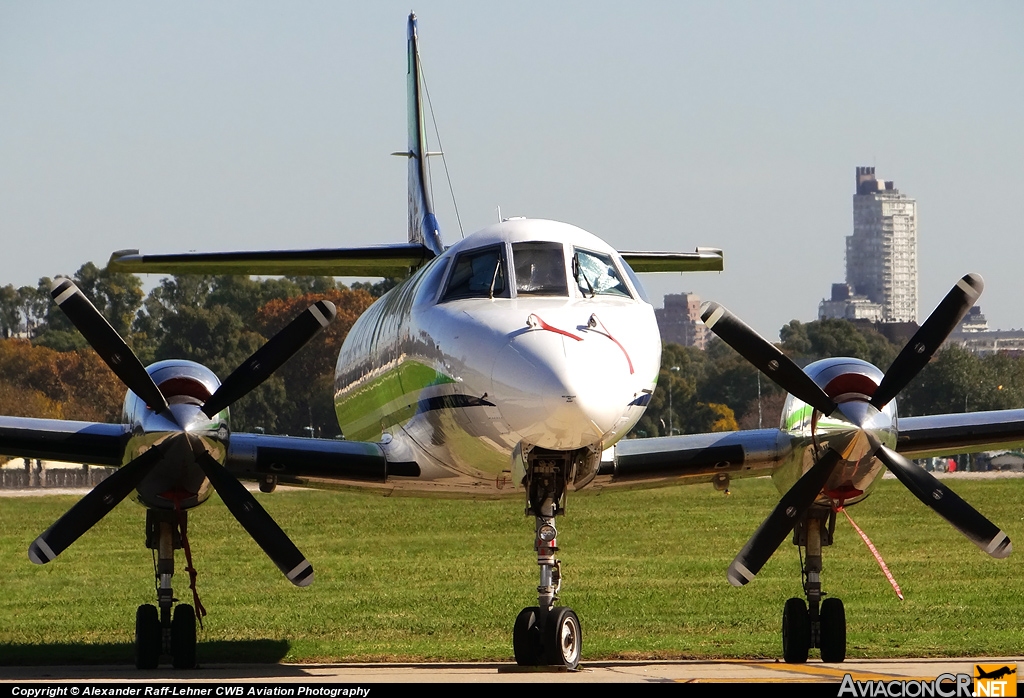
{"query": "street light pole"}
(671, 429)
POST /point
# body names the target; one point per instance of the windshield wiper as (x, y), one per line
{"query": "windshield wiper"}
(494, 277)
(577, 272)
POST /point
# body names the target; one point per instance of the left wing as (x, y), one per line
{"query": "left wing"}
(301, 461)
(56, 439)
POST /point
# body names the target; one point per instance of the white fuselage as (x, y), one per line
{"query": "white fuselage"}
(527, 334)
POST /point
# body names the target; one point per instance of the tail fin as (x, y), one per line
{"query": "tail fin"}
(423, 226)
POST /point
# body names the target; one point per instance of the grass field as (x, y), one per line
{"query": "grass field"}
(439, 580)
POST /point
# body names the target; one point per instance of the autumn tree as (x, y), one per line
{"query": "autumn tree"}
(37, 381)
(309, 375)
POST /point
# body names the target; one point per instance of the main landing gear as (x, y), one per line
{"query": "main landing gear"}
(819, 622)
(546, 634)
(156, 631)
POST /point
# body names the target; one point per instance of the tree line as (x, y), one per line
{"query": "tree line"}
(718, 390)
(48, 370)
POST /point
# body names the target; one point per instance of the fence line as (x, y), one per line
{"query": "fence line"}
(36, 476)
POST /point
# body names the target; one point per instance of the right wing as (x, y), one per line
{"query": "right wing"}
(951, 434)
(388, 261)
(694, 458)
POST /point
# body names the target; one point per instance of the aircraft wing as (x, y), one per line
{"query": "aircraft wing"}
(694, 458)
(702, 259)
(291, 459)
(56, 439)
(302, 461)
(950, 434)
(389, 261)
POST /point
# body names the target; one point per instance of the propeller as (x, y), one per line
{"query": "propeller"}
(180, 445)
(271, 356)
(928, 338)
(765, 356)
(947, 504)
(92, 507)
(254, 518)
(914, 357)
(770, 534)
(107, 343)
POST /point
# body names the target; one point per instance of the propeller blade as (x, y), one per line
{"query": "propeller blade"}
(928, 338)
(270, 357)
(765, 356)
(947, 504)
(107, 343)
(92, 507)
(255, 519)
(770, 534)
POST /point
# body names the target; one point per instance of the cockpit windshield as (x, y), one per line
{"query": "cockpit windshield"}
(540, 269)
(595, 274)
(477, 274)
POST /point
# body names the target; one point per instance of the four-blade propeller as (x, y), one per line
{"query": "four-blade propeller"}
(179, 444)
(791, 378)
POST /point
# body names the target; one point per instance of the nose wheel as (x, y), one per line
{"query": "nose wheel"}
(554, 641)
(563, 640)
(527, 639)
(546, 634)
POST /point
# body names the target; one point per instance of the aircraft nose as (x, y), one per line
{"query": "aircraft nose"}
(558, 392)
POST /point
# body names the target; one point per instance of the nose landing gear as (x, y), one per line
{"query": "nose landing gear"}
(546, 634)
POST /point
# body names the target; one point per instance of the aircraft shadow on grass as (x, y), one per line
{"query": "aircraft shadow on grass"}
(219, 651)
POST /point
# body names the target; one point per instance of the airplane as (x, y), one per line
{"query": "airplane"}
(996, 673)
(512, 364)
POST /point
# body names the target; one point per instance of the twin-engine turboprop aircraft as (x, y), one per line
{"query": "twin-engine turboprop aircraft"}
(511, 364)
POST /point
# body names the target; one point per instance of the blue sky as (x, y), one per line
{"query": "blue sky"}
(252, 125)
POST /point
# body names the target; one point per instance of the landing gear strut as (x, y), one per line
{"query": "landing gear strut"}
(816, 623)
(546, 634)
(156, 632)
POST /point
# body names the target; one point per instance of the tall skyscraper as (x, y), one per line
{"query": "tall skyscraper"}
(881, 255)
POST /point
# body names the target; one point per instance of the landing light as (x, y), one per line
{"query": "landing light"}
(546, 533)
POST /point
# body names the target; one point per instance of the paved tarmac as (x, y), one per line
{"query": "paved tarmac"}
(731, 671)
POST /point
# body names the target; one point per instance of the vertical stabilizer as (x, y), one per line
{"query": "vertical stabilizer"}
(422, 223)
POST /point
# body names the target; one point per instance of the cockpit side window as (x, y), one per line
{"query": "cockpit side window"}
(635, 280)
(540, 269)
(595, 274)
(478, 273)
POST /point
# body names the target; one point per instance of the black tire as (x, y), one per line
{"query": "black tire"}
(148, 637)
(796, 632)
(183, 637)
(563, 639)
(833, 630)
(527, 642)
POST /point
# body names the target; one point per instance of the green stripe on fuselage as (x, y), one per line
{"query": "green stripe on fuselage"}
(387, 399)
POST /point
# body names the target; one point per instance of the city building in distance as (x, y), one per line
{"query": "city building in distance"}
(679, 321)
(881, 256)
